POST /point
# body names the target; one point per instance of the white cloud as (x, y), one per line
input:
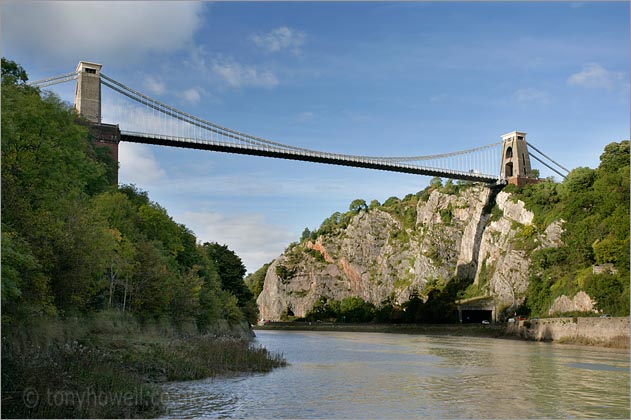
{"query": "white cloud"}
(237, 75)
(279, 39)
(138, 165)
(251, 237)
(595, 76)
(531, 95)
(154, 85)
(305, 116)
(101, 31)
(192, 95)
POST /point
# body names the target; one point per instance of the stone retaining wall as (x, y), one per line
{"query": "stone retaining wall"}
(593, 330)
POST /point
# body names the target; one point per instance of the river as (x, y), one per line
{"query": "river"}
(374, 375)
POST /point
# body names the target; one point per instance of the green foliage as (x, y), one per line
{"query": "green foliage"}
(355, 309)
(594, 203)
(611, 291)
(615, 157)
(230, 269)
(437, 307)
(542, 199)
(578, 181)
(481, 288)
(449, 188)
(391, 202)
(357, 205)
(284, 273)
(496, 213)
(315, 254)
(12, 73)
(350, 309)
(256, 280)
(436, 182)
(323, 309)
(446, 215)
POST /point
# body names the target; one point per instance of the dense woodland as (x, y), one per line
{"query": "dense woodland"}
(74, 244)
(594, 205)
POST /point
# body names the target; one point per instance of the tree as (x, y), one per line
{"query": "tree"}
(256, 280)
(355, 309)
(185, 296)
(230, 269)
(13, 73)
(158, 225)
(374, 204)
(358, 205)
(436, 182)
(579, 180)
(210, 296)
(615, 156)
(150, 288)
(25, 287)
(120, 266)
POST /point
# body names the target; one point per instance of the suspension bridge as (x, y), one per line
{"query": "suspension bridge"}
(150, 121)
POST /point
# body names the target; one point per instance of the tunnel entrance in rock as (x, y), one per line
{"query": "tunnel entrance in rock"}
(476, 316)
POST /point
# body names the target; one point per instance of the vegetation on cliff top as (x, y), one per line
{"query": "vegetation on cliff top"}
(74, 246)
(594, 205)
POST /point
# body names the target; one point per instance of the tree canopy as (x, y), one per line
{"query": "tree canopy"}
(594, 205)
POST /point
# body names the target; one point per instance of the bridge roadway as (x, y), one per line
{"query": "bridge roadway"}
(330, 158)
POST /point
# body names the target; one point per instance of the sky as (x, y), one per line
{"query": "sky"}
(363, 78)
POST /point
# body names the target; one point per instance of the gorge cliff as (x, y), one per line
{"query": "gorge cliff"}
(477, 235)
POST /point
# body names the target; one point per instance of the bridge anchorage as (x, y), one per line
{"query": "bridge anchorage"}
(499, 163)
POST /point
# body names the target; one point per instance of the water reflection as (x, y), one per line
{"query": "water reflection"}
(359, 375)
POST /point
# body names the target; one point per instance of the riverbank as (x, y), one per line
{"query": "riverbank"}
(460, 330)
(594, 331)
(603, 332)
(109, 366)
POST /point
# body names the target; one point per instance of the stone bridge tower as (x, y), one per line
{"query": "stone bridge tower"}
(87, 102)
(516, 160)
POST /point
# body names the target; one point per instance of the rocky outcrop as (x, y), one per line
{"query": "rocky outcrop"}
(379, 256)
(581, 302)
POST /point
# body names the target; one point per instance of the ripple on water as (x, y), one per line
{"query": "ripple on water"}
(365, 375)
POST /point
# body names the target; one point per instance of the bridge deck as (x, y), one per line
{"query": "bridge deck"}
(343, 160)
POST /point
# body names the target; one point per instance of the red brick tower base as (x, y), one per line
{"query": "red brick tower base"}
(520, 181)
(107, 135)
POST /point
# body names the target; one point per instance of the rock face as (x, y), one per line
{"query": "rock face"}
(379, 256)
(504, 258)
(580, 303)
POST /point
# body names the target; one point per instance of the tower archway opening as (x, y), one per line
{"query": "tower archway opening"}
(508, 170)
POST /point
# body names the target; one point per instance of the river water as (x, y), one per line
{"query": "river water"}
(373, 375)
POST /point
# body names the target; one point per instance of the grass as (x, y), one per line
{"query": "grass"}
(107, 366)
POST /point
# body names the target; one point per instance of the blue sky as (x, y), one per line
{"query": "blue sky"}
(368, 78)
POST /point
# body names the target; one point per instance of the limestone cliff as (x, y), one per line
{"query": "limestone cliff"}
(381, 253)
